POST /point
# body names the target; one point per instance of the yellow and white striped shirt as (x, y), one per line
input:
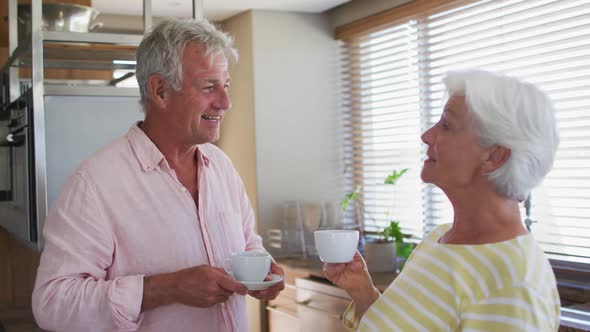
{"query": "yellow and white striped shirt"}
(505, 286)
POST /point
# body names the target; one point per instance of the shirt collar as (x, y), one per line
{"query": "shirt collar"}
(148, 154)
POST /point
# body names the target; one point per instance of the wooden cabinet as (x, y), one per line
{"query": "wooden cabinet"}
(307, 304)
(320, 305)
(310, 302)
(282, 312)
(18, 269)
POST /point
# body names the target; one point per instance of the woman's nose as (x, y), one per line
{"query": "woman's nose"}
(428, 135)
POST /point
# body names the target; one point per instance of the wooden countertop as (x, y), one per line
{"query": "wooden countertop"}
(300, 267)
(314, 267)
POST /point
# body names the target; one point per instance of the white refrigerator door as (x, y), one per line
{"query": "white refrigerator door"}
(76, 127)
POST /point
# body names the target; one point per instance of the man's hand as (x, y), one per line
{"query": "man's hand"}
(204, 286)
(201, 286)
(272, 292)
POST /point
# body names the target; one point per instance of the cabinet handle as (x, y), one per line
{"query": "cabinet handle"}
(327, 313)
(304, 302)
(273, 308)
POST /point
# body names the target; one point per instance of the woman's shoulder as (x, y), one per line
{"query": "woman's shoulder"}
(437, 232)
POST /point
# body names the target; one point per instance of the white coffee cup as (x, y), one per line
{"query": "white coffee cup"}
(250, 266)
(337, 245)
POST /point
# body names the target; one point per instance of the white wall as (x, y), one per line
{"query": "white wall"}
(283, 123)
(296, 117)
(237, 131)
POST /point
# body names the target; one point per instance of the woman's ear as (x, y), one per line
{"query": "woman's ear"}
(497, 156)
(158, 89)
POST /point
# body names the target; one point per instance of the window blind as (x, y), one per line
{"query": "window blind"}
(392, 92)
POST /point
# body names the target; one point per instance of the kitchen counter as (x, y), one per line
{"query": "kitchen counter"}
(314, 267)
(572, 320)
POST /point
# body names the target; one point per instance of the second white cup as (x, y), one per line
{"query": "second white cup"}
(248, 266)
(336, 246)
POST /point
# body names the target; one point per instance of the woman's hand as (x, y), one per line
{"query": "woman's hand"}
(355, 279)
(348, 276)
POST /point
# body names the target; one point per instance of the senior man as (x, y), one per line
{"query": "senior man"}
(137, 237)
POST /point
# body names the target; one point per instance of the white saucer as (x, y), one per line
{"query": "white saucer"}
(255, 286)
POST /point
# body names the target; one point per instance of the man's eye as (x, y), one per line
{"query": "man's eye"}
(208, 88)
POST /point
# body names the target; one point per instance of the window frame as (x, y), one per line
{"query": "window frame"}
(569, 274)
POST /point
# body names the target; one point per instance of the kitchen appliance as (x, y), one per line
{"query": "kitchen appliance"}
(74, 128)
(61, 17)
(17, 202)
(47, 129)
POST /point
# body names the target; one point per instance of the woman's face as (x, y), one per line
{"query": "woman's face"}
(455, 157)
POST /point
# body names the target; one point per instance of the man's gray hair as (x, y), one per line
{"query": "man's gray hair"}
(513, 114)
(160, 51)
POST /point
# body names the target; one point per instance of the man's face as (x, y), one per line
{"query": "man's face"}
(197, 109)
(455, 156)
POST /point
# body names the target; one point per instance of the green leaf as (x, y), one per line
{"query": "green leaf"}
(353, 196)
(404, 249)
(392, 179)
(393, 231)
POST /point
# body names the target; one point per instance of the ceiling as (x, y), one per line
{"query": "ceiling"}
(215, 10)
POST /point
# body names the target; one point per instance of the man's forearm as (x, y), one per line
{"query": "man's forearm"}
(65, 303)
(158, 290)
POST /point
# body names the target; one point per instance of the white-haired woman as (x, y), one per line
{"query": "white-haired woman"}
(495, 140)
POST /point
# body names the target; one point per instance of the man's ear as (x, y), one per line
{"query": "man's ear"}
(497, 156)
(158, 89)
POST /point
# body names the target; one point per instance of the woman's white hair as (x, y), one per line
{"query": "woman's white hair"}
(513, 114)
(160, 51)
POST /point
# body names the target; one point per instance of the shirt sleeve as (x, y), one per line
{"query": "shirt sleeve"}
(511, 309)
(349, 319)
(71, 291)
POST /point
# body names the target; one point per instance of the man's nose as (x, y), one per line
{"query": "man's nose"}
(223, 101)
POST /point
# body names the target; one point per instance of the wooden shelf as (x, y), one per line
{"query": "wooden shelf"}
(4, 13)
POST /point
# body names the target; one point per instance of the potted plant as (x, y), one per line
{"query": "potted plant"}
(393, 231)
(393, 237)
(382, 254)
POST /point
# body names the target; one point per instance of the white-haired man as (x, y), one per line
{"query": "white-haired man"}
(137, 237)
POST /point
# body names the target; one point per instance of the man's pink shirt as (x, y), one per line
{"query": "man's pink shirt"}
(124, 215)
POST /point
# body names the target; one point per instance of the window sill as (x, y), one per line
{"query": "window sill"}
(574, 292)
(575, 318)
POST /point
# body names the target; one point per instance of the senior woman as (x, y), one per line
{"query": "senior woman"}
(495, 140)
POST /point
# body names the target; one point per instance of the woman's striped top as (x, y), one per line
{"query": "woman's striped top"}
(504, 286)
